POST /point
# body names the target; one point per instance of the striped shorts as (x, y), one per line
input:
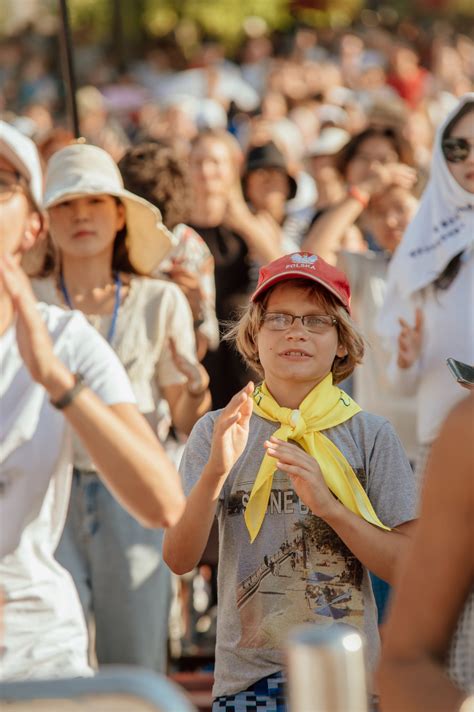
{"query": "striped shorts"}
(265, 695)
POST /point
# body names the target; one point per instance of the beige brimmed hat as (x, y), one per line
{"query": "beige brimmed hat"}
(82, 169)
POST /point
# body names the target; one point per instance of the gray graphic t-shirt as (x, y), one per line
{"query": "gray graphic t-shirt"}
(297, 570)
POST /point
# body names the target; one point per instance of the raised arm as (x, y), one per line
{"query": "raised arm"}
(185, 542)
(118, 439)
(261, 233)
(326, 236)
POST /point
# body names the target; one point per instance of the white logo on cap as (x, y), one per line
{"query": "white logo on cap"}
(304, 259)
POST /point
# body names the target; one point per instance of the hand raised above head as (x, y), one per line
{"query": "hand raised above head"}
(382, 176)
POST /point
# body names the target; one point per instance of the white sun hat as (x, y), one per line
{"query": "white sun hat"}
(82, 169)
(22, 153)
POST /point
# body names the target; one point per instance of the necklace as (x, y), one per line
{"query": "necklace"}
(118, 286)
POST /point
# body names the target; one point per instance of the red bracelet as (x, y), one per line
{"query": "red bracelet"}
(358, 195)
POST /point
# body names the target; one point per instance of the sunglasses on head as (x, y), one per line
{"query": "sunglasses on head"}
(456, 150)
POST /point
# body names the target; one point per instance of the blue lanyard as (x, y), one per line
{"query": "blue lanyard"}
(118, 286)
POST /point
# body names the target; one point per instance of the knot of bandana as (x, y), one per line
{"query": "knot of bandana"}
(297, 423)
(324, 407)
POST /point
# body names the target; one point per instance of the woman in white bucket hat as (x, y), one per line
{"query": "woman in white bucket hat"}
(106, 239)
(56, 376)
(82, 170)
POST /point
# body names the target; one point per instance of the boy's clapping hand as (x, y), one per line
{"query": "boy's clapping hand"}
(231, 431)
(305, 475)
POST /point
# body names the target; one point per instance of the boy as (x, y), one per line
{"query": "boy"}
(291, 552)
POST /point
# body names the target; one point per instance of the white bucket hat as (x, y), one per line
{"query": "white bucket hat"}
(329, 142)
(81, 169)
(23, 155)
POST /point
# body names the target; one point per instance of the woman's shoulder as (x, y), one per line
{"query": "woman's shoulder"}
(154, 288)
(158, 303)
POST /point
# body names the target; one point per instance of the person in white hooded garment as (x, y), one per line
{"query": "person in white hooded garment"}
(428, 314)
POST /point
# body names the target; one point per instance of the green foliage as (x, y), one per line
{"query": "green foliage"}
(219, 18)
(331, 13)
(93, 15)
(223, 19)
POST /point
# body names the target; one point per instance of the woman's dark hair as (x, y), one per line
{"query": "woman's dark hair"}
(157, 172)
(120, 259)
(466, 109)
(350, 150)
(449, 274)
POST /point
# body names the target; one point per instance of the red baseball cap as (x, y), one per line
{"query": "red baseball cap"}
(304, 265)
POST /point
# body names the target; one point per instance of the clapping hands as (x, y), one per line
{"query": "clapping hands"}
(305, 475)
(410, 341)
(231, 431)
(34, 342)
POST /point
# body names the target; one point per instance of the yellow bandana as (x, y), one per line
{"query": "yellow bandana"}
(325, 407)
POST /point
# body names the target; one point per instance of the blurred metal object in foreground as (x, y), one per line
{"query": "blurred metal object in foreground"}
(326, 669)
(115, 688)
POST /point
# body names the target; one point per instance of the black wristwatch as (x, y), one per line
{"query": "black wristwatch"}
(69, 396)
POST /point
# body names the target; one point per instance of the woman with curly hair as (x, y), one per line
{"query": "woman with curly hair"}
(157, 172)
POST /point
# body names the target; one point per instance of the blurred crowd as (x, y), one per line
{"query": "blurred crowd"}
(330, 142)
(293, 84)
(272, 138)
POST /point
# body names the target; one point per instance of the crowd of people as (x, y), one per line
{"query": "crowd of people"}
(253, 272)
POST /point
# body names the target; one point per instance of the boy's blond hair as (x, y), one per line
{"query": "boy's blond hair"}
(244, 333)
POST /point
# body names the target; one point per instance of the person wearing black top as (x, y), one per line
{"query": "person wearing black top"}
(235, 238)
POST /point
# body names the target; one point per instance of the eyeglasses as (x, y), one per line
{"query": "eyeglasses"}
(315, 323)
(10, 183)
(456, 149)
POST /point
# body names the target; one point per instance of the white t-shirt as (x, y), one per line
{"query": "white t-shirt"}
(45, 633)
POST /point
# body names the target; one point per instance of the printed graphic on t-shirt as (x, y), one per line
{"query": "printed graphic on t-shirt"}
(306, 575)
